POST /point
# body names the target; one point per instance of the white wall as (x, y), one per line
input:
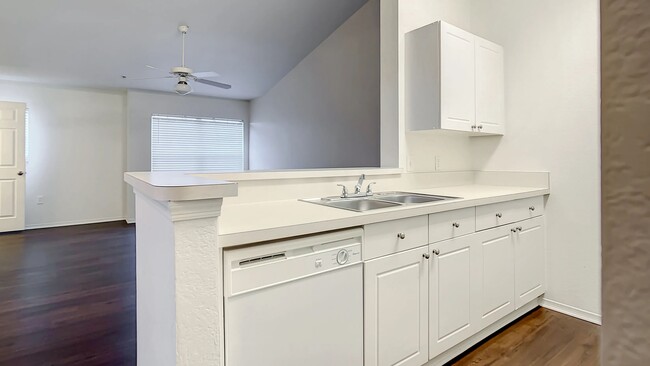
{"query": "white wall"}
(325, 112)
(453, 151)
(552, 107)
(76, 153)
(553, 119)
(141, 105)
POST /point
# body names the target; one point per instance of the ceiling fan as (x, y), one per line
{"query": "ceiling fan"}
(185, 74)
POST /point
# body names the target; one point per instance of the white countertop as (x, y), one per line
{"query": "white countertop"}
(261, 221)
(175, 186)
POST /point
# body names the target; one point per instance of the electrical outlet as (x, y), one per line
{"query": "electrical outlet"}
(39, 200)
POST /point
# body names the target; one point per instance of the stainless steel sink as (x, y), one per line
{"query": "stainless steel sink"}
(377, 201)
(410, 198)
(360, 205)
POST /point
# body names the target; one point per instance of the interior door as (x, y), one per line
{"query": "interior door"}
(530, 261)
(12, 166)
(457, 107)
(454, 280)
(490, 87)
(396, 309)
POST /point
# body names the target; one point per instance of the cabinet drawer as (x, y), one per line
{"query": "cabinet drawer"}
(386, 237)
(450, 224)
(502, 213)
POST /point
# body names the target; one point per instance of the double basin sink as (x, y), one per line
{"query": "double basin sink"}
(378, 200)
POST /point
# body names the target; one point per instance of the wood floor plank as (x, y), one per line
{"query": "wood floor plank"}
(541, 338)
(67, 296)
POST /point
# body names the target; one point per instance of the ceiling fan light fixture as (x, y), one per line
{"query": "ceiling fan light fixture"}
(182, 87)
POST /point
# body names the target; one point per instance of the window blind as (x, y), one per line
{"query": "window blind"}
(181, 143)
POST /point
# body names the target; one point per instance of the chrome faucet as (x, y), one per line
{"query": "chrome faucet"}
(357, 187)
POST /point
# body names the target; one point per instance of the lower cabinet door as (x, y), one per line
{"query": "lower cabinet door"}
(396, 309)
(454, 280)
(530, 261)
(497, 274)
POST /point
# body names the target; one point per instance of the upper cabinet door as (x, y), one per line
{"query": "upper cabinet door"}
(396, 309)
(490, 89)
(457, 105)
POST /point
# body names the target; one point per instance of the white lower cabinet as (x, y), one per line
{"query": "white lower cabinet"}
(530, 261)
(422, 302)
(396, 309)
(453, 292)
(496, 274)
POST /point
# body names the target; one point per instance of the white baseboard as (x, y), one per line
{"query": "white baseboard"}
(572, 311)
(130, 220)
(74, 222)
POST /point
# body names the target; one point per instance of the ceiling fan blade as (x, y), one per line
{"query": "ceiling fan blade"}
(205, 74)
(153, 67)
(213, 83)
(157, 77)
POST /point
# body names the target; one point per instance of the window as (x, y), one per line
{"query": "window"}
(181, 143)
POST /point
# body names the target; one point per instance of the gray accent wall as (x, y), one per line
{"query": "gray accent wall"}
(325, 113)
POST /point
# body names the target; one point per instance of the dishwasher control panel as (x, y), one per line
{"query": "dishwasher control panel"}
(254, 268)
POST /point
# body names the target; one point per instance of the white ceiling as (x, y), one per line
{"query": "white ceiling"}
(252, 44)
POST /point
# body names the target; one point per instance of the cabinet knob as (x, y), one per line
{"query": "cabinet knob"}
(480, 127)
(426, 256)
(21, 173)
(499, 215)
(473, 127)
(401, 235)
(436, 252)
(456, 225)
(532, 208)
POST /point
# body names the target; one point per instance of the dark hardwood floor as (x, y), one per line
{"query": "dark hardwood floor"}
(542, 337)
(67, 297)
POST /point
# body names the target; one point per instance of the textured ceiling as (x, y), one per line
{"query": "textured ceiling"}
(252, 44)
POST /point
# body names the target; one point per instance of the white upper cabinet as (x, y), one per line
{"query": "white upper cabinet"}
(490, 103)
(454, 81)
(457, 106)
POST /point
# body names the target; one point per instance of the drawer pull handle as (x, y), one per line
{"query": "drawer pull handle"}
(401, 235)
(426, 255)
(532, 208)
(519, 228)
(499, 215)
(456, 225)
(513, 230)
(436, 252)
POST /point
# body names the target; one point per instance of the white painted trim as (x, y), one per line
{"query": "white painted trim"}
(298, 174)
(572, 311)
(74, 222)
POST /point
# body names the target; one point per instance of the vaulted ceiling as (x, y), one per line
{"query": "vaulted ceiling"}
(252, 44)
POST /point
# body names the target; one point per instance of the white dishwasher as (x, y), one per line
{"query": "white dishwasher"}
(295, 303)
